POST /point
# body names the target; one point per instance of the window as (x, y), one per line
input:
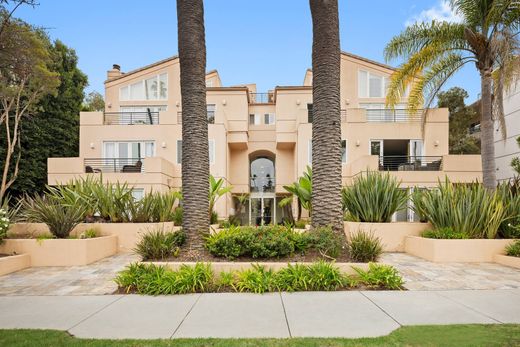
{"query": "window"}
(309, 113)
(269, 118)
(254, 119)
(137, 193)
(153, 88)
(209, 83)
(128, 149)
(343, 151)
(310, 152)
(211, 113)
(371, 85)
(211, 146)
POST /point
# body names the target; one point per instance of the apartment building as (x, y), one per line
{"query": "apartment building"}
(258, 142)
(508, 148)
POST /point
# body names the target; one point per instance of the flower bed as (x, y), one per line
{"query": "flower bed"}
(392, 235)
(12, 263)
(62, 252)
(465, 250)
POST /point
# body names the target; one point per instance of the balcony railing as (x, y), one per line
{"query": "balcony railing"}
(131, 118)
(261, 98)
(410, 163)
(102, 165)
(389, 115)
(262, 184)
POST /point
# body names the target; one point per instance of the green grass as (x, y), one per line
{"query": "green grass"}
(448, 335)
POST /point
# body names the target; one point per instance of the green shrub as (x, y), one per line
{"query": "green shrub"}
(319, 276)
(326, 241)
(364, 247)
(513, 249)
(258, 279)
(373, 197)
(159, 244)
(90, 233)
(300, 224)
(444, 233)
(468, 209)
(177, 216)
(510, 194)
(60, 218)
(380, 276)
(4, 224)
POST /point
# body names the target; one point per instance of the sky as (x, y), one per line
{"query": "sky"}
(266, 42)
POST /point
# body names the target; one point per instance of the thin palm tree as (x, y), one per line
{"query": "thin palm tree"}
(486, 36)
(302, 190)
(326, 125)
(195, 152)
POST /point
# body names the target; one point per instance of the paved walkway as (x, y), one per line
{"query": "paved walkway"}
(97, 278)
(306, 314)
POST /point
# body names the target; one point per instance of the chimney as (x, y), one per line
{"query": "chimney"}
(114, 72)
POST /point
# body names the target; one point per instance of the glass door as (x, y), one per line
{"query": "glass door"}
(262, 211)
(376, 148)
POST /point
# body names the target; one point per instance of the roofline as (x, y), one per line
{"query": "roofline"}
(125, 74)
(354, 56)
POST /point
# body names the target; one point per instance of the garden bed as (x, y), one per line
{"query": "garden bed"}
(12, 263)
(392, 235)
(62, 252)
(507, 260)
(465, 250)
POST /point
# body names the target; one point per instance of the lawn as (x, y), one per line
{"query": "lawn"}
(449, 335)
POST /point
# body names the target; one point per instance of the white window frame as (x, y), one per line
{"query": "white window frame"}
(366, 94)
(271, 119)
(129, 98)
(129, 145)
(211, 149)
(138, 193)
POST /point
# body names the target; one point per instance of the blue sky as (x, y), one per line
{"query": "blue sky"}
(266, 42)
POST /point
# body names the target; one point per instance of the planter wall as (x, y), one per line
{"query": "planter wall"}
(62, 252)
(233, 266)
(128, 233)
(14, 263)
(392, 235)
(469, 251)
(507, 260)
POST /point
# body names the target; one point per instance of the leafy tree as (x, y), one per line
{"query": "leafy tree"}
(461, 118)
(433, 52)
(195, 153)
(302, 189)
(25, 79)
(326, 125)
(94, 102)
(216, 190)
(515, 162)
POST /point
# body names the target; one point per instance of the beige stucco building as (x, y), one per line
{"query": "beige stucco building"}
(259, 142)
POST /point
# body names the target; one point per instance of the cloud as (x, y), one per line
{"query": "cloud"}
(440, 12)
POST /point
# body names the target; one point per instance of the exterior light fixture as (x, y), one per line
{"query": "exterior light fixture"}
(436, 143)
(92, 145)
(298, 102)
(358, 143)
(163, 145)
(177, 103)
(224, 102)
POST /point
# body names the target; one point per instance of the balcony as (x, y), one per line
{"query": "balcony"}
(392, 116)
(410, 163)
(261, 98)
(262, 184)
(131, 118)
(101, 165)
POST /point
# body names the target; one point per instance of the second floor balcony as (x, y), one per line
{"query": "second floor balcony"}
(410, 163)
(131, 118)
(262, 184)
(103, 165)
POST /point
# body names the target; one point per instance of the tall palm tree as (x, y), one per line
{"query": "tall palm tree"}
(195, 152)
(326, 125)
(433, 52)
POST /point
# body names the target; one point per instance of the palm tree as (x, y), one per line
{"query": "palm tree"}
(302, 189)
(433, 52)
(326, 125)
(195, 152)
(216, 190)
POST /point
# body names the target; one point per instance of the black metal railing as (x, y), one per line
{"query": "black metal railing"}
(101, 165)
(389, 115)
(262, 184)
(131, 118)
(410, 163)
(261, 98)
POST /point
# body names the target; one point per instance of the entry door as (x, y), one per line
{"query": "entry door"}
(262, 211)
(376, 148)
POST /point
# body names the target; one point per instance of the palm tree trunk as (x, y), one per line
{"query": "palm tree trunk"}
(487, 132)
(326, 125)
(195, 152)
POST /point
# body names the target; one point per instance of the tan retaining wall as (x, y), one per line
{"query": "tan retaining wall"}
(14, 263)
(392, 235)
(470, 251)
(62, 252)
(507, 260)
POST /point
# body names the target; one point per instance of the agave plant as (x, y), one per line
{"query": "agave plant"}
(60, 218)
(216, 190)
(373, 197)
(469, 209)
(302, 189)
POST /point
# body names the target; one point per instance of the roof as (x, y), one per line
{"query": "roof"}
(124, 74)
(354, 56)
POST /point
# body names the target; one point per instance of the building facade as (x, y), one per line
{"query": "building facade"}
(258, 142)
(508, 148)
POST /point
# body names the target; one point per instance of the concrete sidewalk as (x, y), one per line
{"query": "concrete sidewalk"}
(308, 314)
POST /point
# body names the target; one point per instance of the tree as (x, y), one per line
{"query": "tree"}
(216, 190)
(94, 102)
(433, 52)
(302, 189)
(515, 162)
(195, 151)
(326, 125)
(461, 119)
(25, 79)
